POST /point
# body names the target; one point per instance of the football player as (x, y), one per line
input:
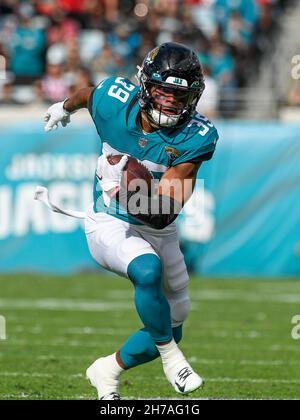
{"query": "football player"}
(157, 124)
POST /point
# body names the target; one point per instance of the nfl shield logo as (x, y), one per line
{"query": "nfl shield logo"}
(142, 142)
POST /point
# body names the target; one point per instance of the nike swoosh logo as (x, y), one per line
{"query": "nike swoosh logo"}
(181, 388)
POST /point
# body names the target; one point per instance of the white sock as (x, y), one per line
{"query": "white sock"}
(171, 356)
(113, 366)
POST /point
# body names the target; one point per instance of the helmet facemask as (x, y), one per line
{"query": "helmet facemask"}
(165, 104)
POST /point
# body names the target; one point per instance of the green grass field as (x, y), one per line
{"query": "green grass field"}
(238, 337)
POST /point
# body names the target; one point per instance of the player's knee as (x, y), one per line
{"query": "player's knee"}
(145, 271)
(180, 310)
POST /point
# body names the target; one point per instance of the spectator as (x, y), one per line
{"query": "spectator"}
(81, 79)
(112, 37)
(27, 48)
(204, 17)
(237, 34)
(221, 63)
(208, 104)
(294, 95)
(105, 64)
(6, 90)
(53, 87)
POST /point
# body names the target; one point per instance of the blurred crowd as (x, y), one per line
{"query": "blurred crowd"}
(54, 47)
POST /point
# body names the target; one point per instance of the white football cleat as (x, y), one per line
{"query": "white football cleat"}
(104, 374)
(177, 370)
(186, 380)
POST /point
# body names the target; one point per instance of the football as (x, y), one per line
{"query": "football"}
(134, 170)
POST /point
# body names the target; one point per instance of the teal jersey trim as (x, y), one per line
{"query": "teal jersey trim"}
(115, 110)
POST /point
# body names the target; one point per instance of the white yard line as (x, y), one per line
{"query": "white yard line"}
(256, 381)
(123, 300)
(59, 342)
(192, 359)
(210, 379)
(243, 296)
(63, 341)
(241, 362)
(39, 397)
(65, 305)
(100, 331)
(39, 375)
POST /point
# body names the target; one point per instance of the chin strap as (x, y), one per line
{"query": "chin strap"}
(42, 195)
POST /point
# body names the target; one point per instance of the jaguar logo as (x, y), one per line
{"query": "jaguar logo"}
(172, 152)
(151, 56)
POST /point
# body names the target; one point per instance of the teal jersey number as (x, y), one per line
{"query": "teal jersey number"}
(115, 110)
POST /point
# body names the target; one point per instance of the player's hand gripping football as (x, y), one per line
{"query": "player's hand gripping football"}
(56, 114)
(109, 176)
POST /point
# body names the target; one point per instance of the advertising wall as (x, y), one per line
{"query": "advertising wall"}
(32, 238)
